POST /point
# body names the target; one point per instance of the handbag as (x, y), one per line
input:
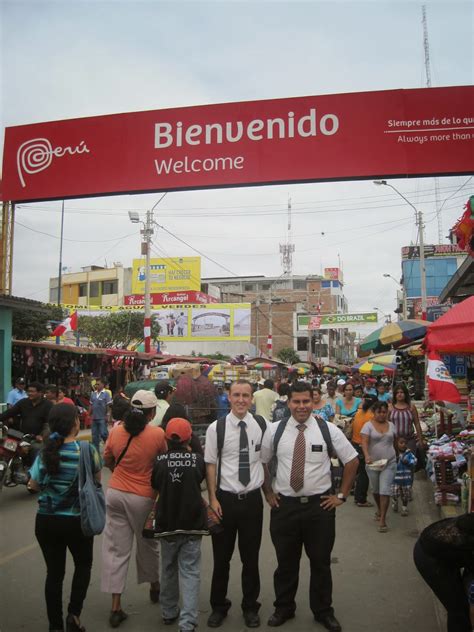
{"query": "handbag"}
(148, 530)
(91, 495)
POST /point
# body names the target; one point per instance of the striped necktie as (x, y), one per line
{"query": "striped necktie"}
(299, 456)
(244, 461)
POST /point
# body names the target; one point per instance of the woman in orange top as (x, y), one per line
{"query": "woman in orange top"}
(362, 416)
(130, 452)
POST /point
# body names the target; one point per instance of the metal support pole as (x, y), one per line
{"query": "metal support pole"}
(270, 326)
(148, 232)
(422, 264)
(60, 271)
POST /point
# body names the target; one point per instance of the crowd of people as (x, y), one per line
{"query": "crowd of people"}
(266, 444)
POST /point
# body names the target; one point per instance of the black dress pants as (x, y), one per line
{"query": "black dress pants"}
(445, 580)
(295, 525)
(242, 518)
(55, 535)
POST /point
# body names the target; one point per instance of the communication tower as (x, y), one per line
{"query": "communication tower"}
(287, 250)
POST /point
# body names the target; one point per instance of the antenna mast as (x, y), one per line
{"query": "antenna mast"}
(426, 46)
(287, 250)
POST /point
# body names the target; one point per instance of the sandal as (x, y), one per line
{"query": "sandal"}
(382, 529)
(376, 516)
(366, 504)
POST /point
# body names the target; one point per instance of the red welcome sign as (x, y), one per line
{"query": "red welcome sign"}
(363, 135)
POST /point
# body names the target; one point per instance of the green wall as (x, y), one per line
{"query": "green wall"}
(5, 352)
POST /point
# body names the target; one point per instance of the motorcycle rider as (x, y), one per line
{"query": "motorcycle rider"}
(30, 416)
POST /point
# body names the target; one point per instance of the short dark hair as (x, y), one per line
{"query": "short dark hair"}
(301, 387)
(37, 385)
(51, 388)
(269, 384)
(378, 405)
(241, 382)
(163, 389)
(283, 389)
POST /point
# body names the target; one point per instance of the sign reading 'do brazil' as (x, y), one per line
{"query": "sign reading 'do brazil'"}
(420, 132)
(338, 321)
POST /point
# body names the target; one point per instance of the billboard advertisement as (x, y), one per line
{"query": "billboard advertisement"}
(170, 298)
(360, 135)
(168, 275)
(432, 250)
(213, 321)
(333, 274)
(335, 321)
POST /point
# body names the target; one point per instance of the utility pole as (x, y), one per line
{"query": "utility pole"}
(419, 217)
(147, 233)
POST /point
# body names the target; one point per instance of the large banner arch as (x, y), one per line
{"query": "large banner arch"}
(366, 135)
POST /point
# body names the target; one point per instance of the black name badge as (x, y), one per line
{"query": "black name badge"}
(316, 448)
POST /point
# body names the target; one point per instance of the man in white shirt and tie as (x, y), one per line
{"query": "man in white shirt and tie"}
(303, 506)
(234, 481)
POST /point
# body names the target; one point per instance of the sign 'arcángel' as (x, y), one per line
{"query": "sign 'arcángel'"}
(304, 139)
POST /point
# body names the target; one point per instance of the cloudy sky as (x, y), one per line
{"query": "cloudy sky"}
(73, 58)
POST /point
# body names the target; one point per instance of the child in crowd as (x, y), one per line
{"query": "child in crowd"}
(403, 481)
(180, 521)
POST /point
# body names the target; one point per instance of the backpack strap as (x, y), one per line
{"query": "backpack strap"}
(276, 440)
(326, 436)
(261, 422)
(220, 432)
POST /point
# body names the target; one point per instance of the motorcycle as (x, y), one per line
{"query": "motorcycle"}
(14, 447)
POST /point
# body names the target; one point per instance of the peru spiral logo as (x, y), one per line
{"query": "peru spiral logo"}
(36, 155)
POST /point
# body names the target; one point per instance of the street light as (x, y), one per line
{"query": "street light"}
(388, 318)
(404, 296)
(419, 223)
(134, 217)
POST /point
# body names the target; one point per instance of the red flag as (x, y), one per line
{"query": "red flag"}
(440, 383)
(69, 324)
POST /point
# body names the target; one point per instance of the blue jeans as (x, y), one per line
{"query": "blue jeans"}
(180, 568)
(99, 431)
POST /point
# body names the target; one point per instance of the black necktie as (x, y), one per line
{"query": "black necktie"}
(244, 461)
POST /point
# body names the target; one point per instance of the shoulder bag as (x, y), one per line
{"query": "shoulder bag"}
(91, 495)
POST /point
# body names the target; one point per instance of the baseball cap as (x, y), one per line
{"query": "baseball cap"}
(341, 382)
(178, 428)
(163, 388)
(144, 399)
(20, 380)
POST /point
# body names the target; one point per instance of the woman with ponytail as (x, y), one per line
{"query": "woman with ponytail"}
(130, 453)
(58, 524)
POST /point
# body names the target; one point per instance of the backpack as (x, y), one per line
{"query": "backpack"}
(280, 411)
(91, 495)
(336, 470)
(220, 431)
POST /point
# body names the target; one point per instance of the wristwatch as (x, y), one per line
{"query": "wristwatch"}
(341, 497)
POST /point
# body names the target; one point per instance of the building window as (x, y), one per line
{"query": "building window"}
(325, 283)
(110, 287)
(265, 286)
(249, 287)
(299, 285)
(94, 289)
(82, 289)
(302, 343)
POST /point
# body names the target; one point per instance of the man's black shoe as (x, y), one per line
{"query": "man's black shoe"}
(251, 618)
(330, 622)
(170, 620)
(216, 618)
(279, 618)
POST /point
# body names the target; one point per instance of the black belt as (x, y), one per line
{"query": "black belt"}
(241, 495)
(303, 500)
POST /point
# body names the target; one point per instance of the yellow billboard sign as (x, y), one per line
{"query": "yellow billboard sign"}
(175, 274)
(214, 321)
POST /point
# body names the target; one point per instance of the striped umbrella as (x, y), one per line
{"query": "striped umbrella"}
(394, 335)
(367, 367)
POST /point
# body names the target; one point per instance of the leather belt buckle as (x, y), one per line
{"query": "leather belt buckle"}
(242, 496)
(304, 500)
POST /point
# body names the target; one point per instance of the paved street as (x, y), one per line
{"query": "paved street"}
(377, 588)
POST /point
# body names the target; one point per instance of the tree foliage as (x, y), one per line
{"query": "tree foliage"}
(35, 325)
(115, 330)
(288, 355)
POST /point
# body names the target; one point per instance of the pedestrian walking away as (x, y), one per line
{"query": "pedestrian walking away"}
(237, 447)
(130, 453)
(58, 524)
(362, 416)
(100, 401)
(180, 523)
(303, 505)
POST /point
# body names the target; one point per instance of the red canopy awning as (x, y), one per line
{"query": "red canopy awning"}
(454, 331)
